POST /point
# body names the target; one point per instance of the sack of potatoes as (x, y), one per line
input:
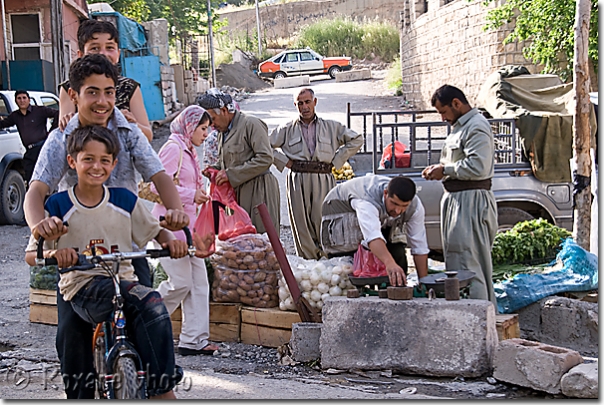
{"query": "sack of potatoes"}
(245, 270)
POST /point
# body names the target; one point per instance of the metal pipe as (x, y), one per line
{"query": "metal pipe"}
(6, 58)
(258, 29)
(213, 69)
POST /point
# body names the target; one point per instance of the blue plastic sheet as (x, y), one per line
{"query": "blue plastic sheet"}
(132, 34)
(579, 273)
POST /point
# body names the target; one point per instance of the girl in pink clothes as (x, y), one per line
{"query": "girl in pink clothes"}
(187, 283)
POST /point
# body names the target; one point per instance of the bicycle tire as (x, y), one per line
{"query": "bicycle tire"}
(125, 385)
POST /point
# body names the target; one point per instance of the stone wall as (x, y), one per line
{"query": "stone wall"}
(443, 42)
(283, 20)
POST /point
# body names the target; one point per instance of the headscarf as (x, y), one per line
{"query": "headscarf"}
(214, 98)
(183, 127)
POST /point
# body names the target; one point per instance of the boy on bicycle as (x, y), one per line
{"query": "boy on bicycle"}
(109, 219)
(93, 80)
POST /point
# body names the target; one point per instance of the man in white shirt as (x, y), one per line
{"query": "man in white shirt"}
(383, 214)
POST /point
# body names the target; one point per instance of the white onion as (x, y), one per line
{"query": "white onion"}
(336, 270)
(305, 275)
(319, 304)
(335, 291)
(305, 285)
(312, 303)
(282, 306)
(319, 267)
(298, 276)
(306, 295)
(315, 278)
(335, 279)
(283, 293)
(324, 296)
(323, 288)
(326, 276)
(347, 268)
(315, 295)
(342, 284)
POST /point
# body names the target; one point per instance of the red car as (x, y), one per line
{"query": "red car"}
(298, 62)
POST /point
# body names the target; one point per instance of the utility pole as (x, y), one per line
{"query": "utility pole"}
(6, 57)
(258, 30)
(56, 29)
(581, 129)
(211, 40)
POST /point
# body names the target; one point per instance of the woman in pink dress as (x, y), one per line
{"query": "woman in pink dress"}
(187, 284)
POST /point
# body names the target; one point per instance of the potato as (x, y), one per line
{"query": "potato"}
(252, 294)
(252, 266)
(259, 276)
(256, 300)
(246, 300)
(248, 259)
(232, 286)
(268, 289)
(232, 296)
(244, 285)
(232, 264)
(233, 278)
(230, 254)
(266, 297)
(243, 266)
(263, 265)
(241, 292)
(248, 279)
(260, 255)
(271, 279)
(224, 283)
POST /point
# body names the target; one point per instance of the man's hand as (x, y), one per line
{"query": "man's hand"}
(203, 245)
(66, 257)
(49, 228)
(396, 275)
(289, 164)
(434, 172)
(175, 220)
(221, 177)
(178, 248)
(200, 196)
(64, 120)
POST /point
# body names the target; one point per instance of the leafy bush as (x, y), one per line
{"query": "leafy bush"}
(527, 242)
(394, 79)
(344, 36)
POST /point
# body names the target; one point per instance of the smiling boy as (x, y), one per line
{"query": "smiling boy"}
(110, 219)
(93, 79)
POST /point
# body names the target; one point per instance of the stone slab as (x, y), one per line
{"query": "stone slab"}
(353, 75)
(293, 81)
(581, 381)
(419, 336)
(304, 342)
(533, 364)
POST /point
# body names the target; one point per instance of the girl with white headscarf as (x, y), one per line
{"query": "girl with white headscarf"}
(187, 284)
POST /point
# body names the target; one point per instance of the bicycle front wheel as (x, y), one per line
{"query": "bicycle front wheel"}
(125, 385)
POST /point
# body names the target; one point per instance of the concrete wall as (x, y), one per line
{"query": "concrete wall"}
(447, 45)
(283, 20)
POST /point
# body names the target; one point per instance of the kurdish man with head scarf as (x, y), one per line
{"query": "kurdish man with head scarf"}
(245, 157)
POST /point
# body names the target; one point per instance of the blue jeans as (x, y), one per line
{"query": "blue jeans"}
(74, 343)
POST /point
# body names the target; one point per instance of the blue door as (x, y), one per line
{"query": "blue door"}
(146, 71)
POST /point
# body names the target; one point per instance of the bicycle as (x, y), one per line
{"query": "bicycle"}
(118, 366)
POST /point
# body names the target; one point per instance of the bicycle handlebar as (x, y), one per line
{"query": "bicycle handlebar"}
(110, 257)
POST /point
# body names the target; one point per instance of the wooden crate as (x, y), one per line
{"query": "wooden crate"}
(507, 326)
(43, 306)
(269, 327)
(225, 322)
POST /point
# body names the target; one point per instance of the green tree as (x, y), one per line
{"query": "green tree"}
(548, 28)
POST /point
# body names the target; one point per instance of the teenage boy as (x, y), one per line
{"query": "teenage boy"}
(93, 79)
(101, 37)
(31, 123)
(110, 218)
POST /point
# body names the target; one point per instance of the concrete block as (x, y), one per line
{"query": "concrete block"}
(532, 364)
(419, 336)
(352, 75)
(304, 342)
(581, 381)
(293, 81)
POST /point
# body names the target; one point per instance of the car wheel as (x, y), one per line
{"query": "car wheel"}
(279, 75)
(507, 217)
(333, 70)
(12, 194)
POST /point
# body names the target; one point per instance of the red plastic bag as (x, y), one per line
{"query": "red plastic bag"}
(366, 264)
(401, 159)
(204, 225)
(233, 220)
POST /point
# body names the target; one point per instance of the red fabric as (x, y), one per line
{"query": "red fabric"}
(366, 264)
(401, 159)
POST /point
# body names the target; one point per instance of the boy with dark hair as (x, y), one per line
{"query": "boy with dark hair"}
(31, 123)
(108, 219)
(102, 37)
(95, 99)
(382, 214)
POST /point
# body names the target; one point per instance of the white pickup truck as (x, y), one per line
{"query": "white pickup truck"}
(12, 186)
(520, 196)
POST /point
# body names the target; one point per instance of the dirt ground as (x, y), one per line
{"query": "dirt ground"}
(28, 360)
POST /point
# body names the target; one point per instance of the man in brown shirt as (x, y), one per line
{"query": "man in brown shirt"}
(31, 123)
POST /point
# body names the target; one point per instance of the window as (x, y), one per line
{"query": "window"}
(3, 109)
(306, 56)
(278, 60)
(292, 57)
(26, 36)
(50, 102)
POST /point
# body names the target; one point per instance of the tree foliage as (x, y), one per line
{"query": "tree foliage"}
(548, 26)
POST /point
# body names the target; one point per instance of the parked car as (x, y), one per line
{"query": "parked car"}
(298, 62)
(12, 186)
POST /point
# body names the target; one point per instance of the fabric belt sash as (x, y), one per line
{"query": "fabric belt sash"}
(303, 166)
(453, 186)
(33, 145)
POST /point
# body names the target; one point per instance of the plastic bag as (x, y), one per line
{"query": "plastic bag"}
(233, 220)
(401, 159)
(43, 277)
(317, 280)
(366, 264)
(245, 270)
(204, 224)
(579, 273)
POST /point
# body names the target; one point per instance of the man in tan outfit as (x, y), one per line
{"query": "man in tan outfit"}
(244, 157)
(310, 146)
